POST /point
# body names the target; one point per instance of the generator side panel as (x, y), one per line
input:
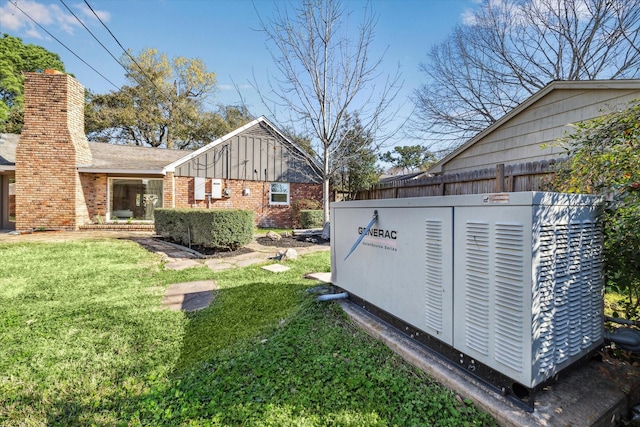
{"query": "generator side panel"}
(492, 287)
(568, 321)
(403, 264)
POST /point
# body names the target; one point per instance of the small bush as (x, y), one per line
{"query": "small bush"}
(311, 218)
(224, 229)
(302, 204)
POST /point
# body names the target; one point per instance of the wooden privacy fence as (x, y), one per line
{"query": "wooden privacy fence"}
(521, 177)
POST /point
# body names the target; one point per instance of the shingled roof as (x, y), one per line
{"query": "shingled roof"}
(107, 158)
(8, 144)
(130, 159)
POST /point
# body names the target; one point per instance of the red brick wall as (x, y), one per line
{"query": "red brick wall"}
(257, 200)
(12, 205)
(94, 187)
(168, 190)
(49, 192)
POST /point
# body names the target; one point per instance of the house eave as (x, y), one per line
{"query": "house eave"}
(122, 171)
(7, 168)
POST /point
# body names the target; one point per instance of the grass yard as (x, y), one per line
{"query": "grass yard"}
(85, 342)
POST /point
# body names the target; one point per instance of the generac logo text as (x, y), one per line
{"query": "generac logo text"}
(379, 232)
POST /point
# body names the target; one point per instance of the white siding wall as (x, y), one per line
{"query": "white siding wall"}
(521, 139)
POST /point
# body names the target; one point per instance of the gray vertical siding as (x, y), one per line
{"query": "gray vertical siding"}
(257, 154)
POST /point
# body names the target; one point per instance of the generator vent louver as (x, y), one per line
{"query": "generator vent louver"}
(433, 274)
(509, 279)
(477, 289)
(543, 301)
(569, 291)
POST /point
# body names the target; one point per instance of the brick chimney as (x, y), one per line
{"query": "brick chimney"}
(51, 147)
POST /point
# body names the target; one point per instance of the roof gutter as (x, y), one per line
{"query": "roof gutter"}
(123, 171)
(7, 168)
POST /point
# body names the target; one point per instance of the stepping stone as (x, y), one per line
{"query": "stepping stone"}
(189, 296)
(182, 264)
(216, 265)
(275, 268)
(250, 261)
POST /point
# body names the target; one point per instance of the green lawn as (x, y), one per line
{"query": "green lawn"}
(85, 342)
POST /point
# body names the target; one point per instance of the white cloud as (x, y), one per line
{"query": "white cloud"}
(11, 18)
(51, 16)
(519, 13)
(232, 87)
(468, 17)
(88, 14)
(33, 33)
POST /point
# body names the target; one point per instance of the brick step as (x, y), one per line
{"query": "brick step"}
(119, 227)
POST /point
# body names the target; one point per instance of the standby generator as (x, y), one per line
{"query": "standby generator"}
(507, 286)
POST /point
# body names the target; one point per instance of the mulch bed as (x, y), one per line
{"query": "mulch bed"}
(210, 252)
(292, 242)
(219, 253)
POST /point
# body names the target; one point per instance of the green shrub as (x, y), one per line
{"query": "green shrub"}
(311, 218)
(220, 228)
(299, 205)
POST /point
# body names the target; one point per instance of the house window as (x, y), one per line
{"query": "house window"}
(134, 198)
(279, 194)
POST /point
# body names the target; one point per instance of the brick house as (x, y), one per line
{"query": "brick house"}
(52, 178)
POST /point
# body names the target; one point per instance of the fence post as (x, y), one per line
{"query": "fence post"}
(500, 178)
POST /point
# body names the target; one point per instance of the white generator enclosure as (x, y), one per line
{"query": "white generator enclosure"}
(511, 282)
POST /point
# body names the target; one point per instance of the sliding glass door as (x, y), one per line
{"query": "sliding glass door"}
(135, 198)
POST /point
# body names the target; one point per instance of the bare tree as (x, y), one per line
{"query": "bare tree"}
(326, 73)
(507, 51)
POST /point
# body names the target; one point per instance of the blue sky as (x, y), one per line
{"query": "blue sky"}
(223, 33)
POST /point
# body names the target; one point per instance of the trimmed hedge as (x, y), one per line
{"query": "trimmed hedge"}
(299, 205)
(221, 228)
(311, 218)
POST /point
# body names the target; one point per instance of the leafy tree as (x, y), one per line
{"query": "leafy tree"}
(509, 50)
(301, 140)
(17, 58)
(604, 159)
(163, 106)
(360, 171)
(409, 158)
(229, 118)
(326, 70)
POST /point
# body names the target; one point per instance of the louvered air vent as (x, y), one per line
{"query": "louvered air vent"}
(509, 287)
(434, 275)
(477, 287)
